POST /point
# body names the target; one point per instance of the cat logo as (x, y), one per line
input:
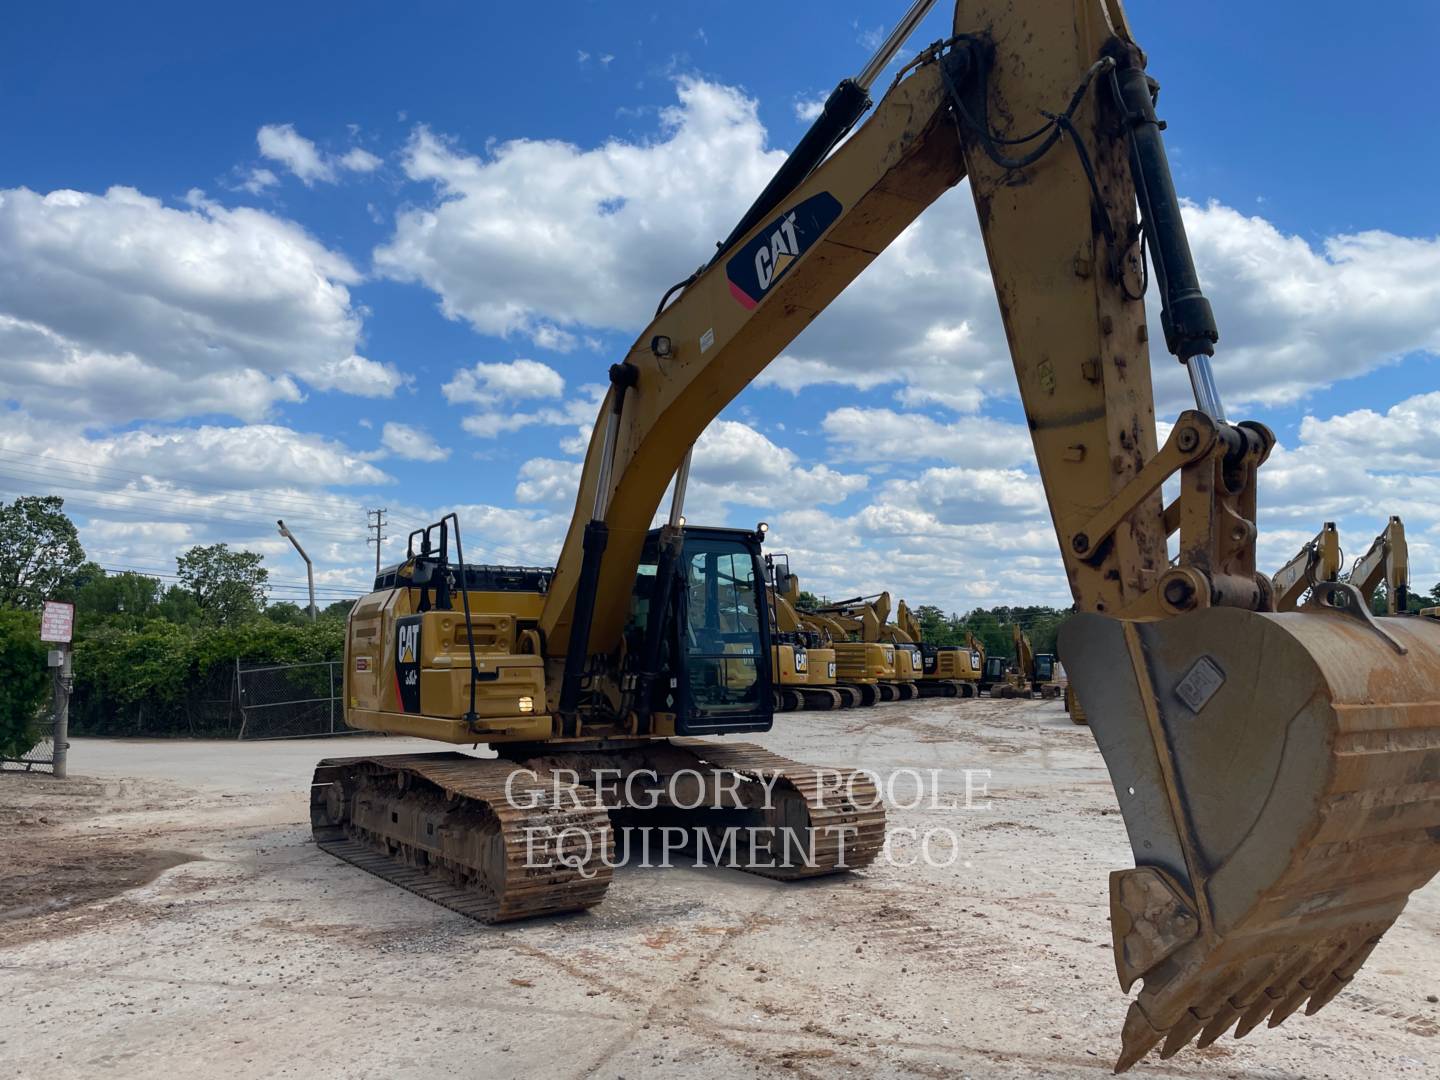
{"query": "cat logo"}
(776, 258)
(408, 638)
(768, 257)
(407, 663)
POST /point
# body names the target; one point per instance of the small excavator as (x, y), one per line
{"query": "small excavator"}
(1321, 559)
(1275, 771)
(946, 670)
(1387, 562)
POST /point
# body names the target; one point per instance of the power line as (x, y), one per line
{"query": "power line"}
(160, 571)
(375, 522)
(285, 592)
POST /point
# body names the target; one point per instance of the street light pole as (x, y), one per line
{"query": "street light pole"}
(309, 567)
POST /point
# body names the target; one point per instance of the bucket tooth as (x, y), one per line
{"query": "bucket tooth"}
(1352, 964)
(1218, 1024)
(1136, 1039)
(1259, 1009)
(1325, 993)
(1304, 987)
(1292, 1001)
(1180, 1035)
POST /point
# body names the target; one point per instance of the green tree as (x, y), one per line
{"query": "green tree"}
(178, 606)
(24, 680)
(807, 601)
(935, 628)
(124, 599)
(228, 587)
(340, 609)
(287, 612)
(40, 553)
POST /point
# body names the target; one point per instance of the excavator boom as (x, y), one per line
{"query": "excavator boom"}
(1387, 562)
(1319, 560)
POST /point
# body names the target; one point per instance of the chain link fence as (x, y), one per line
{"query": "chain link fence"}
(291, 701)
(40, 758)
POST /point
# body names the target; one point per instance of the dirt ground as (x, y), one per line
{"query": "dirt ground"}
(166, 914)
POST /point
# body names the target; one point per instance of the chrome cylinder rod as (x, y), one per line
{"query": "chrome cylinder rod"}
(1202, 382)
(677, 498)
(891, 45)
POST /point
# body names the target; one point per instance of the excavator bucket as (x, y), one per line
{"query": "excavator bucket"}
(1279, 778)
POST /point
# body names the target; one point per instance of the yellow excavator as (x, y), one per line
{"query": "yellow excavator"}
(945, 670)
(1274, 770)
(862, 619)
(803, 660)
(1030, 673)
(1319, 560)
(866, 668)
(1387, 562)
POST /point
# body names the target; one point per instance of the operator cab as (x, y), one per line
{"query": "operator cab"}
(995, 668)
(1044, 667)
(714, 664)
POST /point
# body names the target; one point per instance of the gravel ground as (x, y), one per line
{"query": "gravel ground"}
(166, 914)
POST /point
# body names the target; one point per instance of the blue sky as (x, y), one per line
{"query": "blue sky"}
(285, 239)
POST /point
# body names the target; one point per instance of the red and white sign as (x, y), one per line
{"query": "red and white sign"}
(57, 621)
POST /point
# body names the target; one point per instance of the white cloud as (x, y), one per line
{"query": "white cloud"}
(809, 109)
(1295, 317)
(734, 463)
(116, 307)
(488, 425)
(489, 384)
(885, 435)
(539, 235)
(1405, 437)
(547, 481)
(259, 180)
(734, 466)
(499, 388)
(282, 143)
(359, 160)
(242, 457)
(411, 443)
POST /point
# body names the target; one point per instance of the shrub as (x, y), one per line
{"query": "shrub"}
(24, 681)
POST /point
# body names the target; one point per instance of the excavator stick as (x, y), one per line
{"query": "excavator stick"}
(1279, 777)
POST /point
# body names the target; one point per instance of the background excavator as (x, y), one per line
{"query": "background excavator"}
(946, 670)
(1388, 563)
(1029, 673)
(866, 668)
(1274, 770)
(1319, 560)
(896, 665)
(803, 659)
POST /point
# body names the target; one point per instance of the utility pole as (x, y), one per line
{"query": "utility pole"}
(57, 625)
(377, 526)
(309, 567)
